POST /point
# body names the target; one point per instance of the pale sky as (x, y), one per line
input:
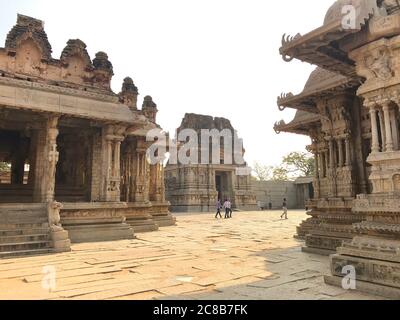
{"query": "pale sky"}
(213, 57)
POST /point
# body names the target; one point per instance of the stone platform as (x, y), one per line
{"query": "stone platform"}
(250, 257)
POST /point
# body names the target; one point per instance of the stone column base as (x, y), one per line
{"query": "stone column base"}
(60, 240)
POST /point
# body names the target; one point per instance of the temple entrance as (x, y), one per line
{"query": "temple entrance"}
(223, 183)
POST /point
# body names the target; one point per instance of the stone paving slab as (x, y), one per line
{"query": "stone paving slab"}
(252, 256)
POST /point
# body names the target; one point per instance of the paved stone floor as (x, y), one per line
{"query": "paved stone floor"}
(253, 256)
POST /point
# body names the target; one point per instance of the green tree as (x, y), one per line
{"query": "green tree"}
(299, 164)
(280, 174)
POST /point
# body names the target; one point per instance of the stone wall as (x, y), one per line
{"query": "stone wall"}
(276, 191)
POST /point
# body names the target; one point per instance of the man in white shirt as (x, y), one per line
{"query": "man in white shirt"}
(228, 209)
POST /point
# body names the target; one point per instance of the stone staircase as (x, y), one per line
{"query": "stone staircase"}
(24, 230)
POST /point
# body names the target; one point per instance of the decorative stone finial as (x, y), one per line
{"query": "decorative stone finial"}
(129, 86)
(149, 108)
(102, 63)
(129, 94)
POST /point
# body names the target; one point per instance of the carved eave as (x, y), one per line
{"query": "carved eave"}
(303, 124)
(321, 46)
(318, 48)
(307, 100)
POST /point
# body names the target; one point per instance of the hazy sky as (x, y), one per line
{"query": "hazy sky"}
(214, 57)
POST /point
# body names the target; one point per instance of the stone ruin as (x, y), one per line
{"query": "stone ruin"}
(197, 187)
(75, 149)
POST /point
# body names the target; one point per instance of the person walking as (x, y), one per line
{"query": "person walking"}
(218, 206)
(227, 206)
(230, 209)
(285, 209)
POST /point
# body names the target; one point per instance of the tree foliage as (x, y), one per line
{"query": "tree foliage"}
(262, 172)
(294, 165)
(299, 164)
(280, 174)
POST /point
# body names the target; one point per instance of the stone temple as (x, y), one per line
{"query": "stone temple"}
(75, 149)
(350, 109)
(197, 187)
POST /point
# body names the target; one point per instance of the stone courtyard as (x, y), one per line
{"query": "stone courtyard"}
(251, 257)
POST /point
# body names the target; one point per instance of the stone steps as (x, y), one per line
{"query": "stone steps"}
(23, 226)
(24, 230)
(22, 253)
(27, 238)
(24, 246)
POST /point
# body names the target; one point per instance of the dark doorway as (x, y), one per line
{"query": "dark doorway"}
(73, 175)
(15, 165)
(218, 183)
(311, 191)
(223, 183)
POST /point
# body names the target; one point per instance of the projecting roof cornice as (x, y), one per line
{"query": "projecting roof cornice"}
(322, 46)
(42, 98)
(322, 84)
(303, 124)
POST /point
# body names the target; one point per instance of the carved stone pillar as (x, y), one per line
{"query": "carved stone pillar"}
(395, 129)
(46, 161)
(374, 129)
(53, 156)
(141, 194)
(388, 131)
(321, 164)
(341, 156)
(112, 138)
(317, 174)
(326, 157)
(156, 181)
(317, 185)
(348, 152)
(383, 131)
(331, 154)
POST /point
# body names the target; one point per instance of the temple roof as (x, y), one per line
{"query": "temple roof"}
(321, 46)
(93, 76)
(32, 28)
(74, 85)
(198, 122)
(320, 83)
(301, 124)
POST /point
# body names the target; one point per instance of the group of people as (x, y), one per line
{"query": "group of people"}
(227, 206)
